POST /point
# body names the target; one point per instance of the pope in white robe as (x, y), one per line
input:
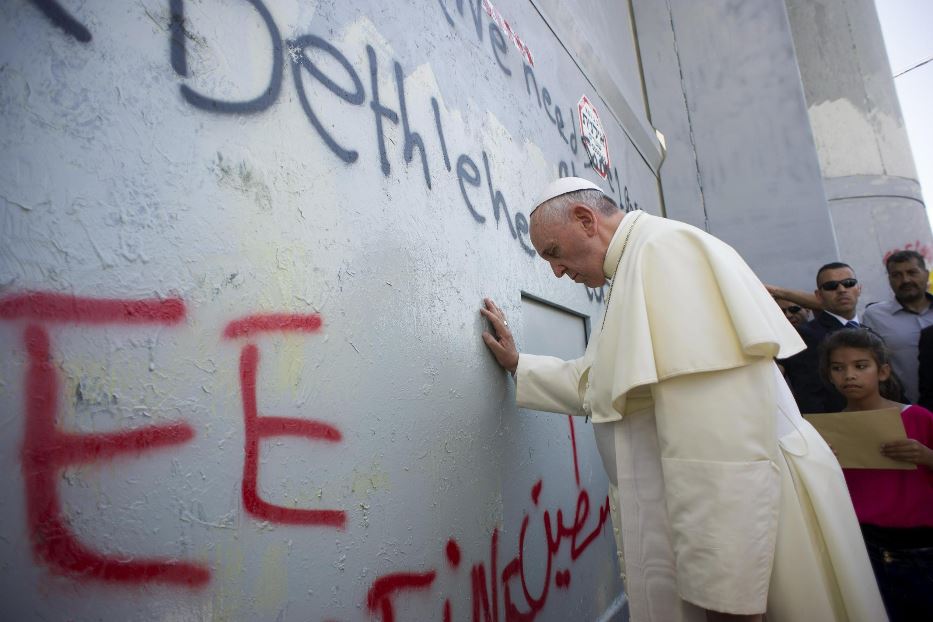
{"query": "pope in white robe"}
(726, 501)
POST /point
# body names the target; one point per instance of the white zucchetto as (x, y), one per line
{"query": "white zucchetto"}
(563, 186)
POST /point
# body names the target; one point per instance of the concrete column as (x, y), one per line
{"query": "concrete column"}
(867, 168)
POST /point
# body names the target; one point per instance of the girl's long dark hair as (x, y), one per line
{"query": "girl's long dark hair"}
(861, 339)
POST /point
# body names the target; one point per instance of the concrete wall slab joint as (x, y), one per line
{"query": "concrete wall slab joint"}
(560, 19)
(865, 186)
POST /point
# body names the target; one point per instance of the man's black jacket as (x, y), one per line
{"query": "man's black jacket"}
(803, 369)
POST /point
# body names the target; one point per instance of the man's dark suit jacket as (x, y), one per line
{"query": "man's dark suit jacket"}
(803, 369)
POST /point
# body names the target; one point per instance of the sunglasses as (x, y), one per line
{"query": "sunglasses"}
(793, 309)
(831, 286)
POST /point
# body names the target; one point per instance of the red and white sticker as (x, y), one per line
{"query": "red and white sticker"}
(593, 137)
(496, 16)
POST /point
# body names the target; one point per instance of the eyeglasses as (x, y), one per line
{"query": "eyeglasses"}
(831, 286)
(792, 309)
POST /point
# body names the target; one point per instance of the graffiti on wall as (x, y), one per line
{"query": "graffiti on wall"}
(924, 249)
(463, 165)
(520, 600)
(63, 19)
(298, 52)
(47, 449)
(917, 246)
(503, 23)
(258, 427)
(500, 586)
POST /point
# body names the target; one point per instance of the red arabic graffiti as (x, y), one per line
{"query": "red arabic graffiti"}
(555, 534)
(46, 449)
(485, 593)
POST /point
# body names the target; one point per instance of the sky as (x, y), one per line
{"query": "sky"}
(907, 26)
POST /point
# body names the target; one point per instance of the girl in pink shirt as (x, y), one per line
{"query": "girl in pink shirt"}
(894, 507)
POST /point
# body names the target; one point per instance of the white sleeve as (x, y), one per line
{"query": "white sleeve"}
(549, 383)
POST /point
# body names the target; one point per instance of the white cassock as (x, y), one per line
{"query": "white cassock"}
(726, 498)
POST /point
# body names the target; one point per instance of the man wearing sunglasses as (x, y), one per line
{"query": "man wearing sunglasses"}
(795, 314)
(837, 289)
(900, 321)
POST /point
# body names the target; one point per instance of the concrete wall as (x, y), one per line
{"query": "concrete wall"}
(600, 37)
(244, 248)
(868, 171)
(723, 87)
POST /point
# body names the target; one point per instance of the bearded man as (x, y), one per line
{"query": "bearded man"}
(730, 505)
(900, 321)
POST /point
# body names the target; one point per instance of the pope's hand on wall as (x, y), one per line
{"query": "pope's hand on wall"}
(500, 341)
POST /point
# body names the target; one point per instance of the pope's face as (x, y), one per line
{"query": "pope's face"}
(571, 248)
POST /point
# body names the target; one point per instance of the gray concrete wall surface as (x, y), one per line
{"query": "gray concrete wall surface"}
(850, 94)
(244, 244)
(599, 37)
(244, 249)
(723, 87)
(867, 168)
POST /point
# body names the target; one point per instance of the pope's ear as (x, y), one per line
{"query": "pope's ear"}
(583, 214)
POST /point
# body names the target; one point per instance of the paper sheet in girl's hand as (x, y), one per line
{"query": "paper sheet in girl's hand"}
(856, 437)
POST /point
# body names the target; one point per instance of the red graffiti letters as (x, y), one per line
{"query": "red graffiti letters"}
(453, 553)
(918, 246)
(46, 449)
(485, 593)
(478, 585)
(259, 427)
(380, 594)
(272, 322)
(573, 443)
(63, 308)
(515, 568)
